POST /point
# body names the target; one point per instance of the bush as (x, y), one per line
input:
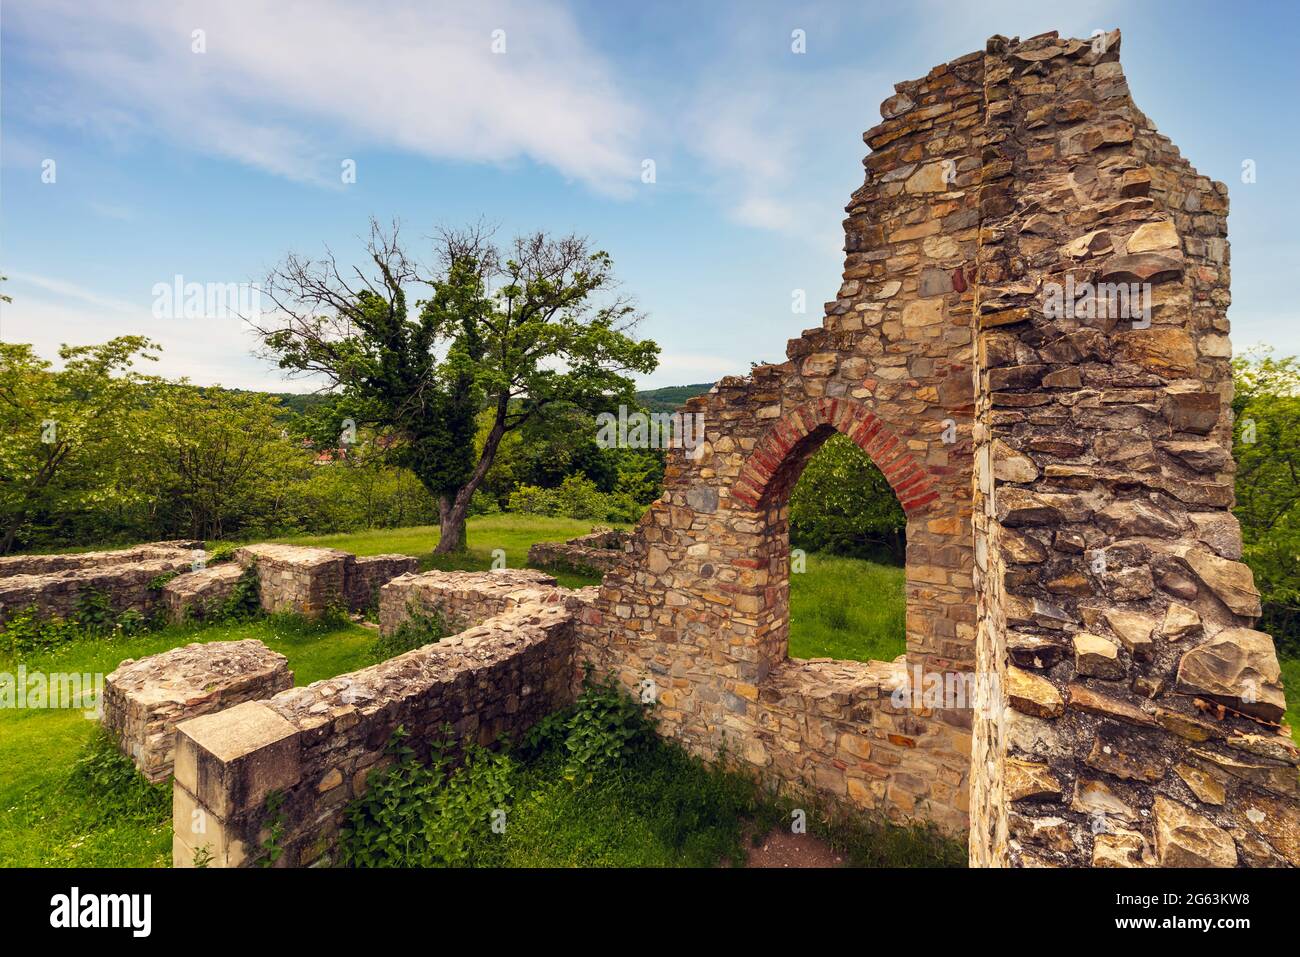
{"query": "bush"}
(420, 628)
(417, 815)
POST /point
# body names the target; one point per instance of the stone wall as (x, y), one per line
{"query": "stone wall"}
(200, 594)
(1121, 710)
(12, 565)
(462, 598)
(1144, 718)
(318, 745)
(58, 593)
(368, 573)
(144, 700)
(597, 552)
(309, 581)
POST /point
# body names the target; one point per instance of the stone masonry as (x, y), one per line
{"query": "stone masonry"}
(597, 552)
(53, 585)
(317, 746)
(309, 581)
(200, 594)
(144, 700)
(1066, 481)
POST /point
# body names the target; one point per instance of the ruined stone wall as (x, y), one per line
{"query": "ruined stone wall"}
(144, 700)
(59, 593)
(1123, 710)
(309, 581)
(700, 603)
(317, 746)
(597, 552)
(461, 598)
(1143, 725)
(12, 565)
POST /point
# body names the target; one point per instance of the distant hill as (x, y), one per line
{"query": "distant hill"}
(671, 398)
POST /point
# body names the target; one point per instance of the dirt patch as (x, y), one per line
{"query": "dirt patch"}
(782, 849)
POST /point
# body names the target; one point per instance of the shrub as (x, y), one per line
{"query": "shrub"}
(419, 628)
(424, 815)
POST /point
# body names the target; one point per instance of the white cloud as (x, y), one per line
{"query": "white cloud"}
(49, 312)
(295, 87)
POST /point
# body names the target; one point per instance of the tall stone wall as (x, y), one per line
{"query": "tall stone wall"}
(1066, 482)
(1144, 714)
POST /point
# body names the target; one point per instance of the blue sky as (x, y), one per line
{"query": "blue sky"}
(213, 165)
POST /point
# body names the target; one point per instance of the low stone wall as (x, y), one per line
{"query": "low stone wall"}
(49, 564)
(368, 573)
(309, 580)
(598, 552)
(296, 578)
(199, 594)
(144, 700)
(317, 746)
(462, 598)
(58, 593)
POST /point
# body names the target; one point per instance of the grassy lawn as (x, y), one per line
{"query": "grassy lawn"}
(847, 608)
(48, 817)
(515, 534)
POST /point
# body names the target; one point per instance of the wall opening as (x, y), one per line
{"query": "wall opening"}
(847, 598)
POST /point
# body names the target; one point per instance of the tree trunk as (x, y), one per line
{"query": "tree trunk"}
(451, 523)
(451, 513)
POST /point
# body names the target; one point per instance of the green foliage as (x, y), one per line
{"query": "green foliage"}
(577, 497)
(273, 824)
(1266, 408)
(112, 786)
(71, 436)
(27, 631)
(244, 600)
(514, 332)
(427, 815)
(419, 628)
(607, 728)
(843, 505)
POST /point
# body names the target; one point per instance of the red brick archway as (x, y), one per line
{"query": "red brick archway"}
(778, 456)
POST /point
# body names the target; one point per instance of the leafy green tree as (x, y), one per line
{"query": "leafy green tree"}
(843, 504)
(227, 459)
(1266, 407)
(73, 436)
(512, 332)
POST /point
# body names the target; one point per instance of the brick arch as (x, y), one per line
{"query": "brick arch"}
(766, 466)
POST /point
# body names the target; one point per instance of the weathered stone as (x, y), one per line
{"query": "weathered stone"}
(145, 700)
(1207, 788)
(1231, 581)
(1033, 695)
(1239, 667)
(1186, 839)
(1118, 848)
(1180, 622)
(1153, 236)
(1133, 629)
(1026, 780)
(1097, 657)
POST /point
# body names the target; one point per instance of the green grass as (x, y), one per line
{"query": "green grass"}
(515, 534)
(50, 816)
(847, 608)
